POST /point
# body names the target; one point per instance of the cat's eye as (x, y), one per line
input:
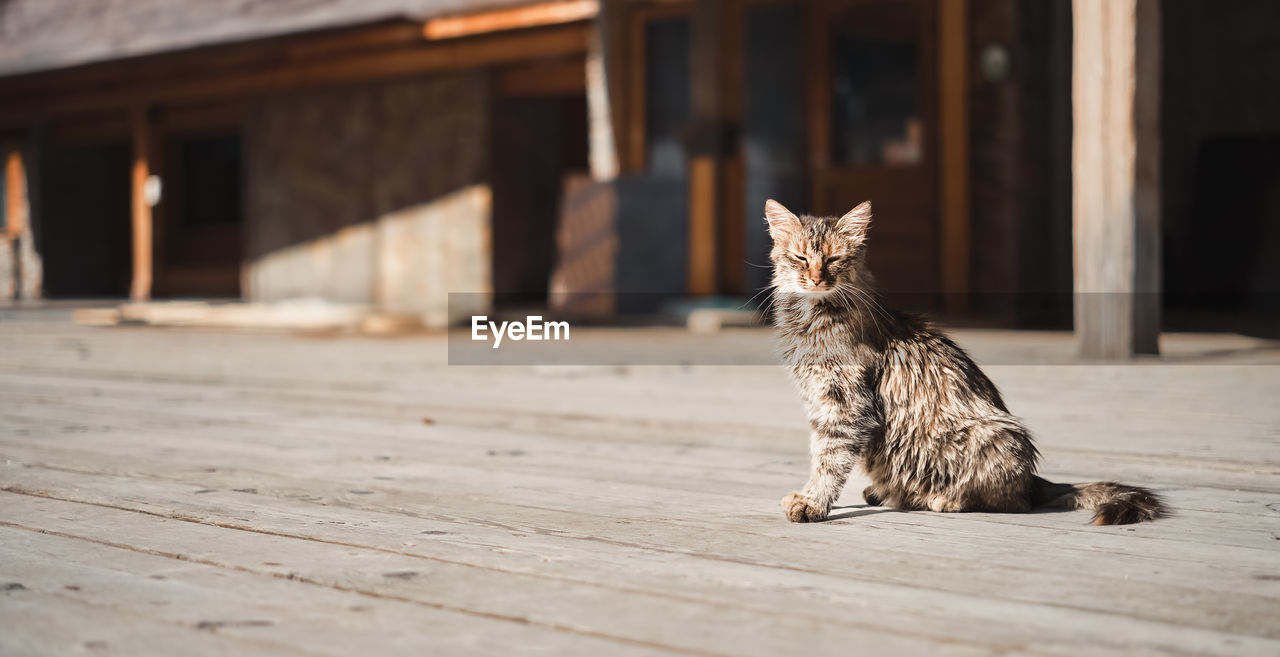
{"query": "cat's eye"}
(799, 258)
(834, 259)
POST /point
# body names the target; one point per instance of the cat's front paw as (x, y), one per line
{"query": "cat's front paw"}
(798, 509)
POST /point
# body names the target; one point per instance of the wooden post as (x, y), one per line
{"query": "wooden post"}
(140, 290)
(15, 195)
(1116, 176)
(953, 67)
(601, 141)
(17, 211)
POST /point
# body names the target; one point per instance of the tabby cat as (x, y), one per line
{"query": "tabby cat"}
(890, 392)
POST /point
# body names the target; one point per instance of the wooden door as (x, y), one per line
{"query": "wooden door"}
(200, 223)
(874, 129)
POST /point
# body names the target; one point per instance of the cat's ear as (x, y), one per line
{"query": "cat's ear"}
(781, 222)
(856, 221)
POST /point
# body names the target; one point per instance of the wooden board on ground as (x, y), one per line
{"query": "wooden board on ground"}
(259, 493)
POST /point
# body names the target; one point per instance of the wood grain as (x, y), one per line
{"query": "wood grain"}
(282, 494)
(1116, 225)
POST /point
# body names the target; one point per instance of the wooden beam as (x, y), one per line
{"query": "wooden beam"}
(539, 15)
(559, 77)
(211, 61)
(953, 66)
(279, 76)
(1116, 176)
(140, 289)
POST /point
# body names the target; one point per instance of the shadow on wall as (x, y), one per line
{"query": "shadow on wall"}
(396, 194)
(404, 262)
(376, 194)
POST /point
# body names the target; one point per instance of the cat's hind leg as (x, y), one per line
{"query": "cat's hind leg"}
(1000, 472)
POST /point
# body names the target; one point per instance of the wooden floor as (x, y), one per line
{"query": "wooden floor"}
(178, 492)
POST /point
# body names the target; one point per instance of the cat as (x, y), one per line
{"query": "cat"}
(887, 390)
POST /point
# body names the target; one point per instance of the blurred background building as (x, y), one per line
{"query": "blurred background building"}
(388, 152)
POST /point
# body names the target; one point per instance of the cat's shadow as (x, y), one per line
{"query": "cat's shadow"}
(856, 510)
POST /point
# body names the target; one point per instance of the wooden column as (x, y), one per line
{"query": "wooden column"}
(15, 194)
(1116, 176)
(602, 144)
(715, 219)
(140, 289)
(17, 212)
(953, 68)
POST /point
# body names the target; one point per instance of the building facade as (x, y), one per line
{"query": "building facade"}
(390, 152)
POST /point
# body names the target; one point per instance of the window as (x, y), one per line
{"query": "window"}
(875, 69)
(668, 102)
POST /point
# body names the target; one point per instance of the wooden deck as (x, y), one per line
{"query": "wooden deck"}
(173, 492)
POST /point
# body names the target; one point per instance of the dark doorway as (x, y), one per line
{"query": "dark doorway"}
(1231, 263)
(200, 221)
(83, 229)
(1220, 168)
(536, 141)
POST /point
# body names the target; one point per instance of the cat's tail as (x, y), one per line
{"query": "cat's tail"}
(1111, 503)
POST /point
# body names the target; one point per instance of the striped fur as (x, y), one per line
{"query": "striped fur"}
(890, 392)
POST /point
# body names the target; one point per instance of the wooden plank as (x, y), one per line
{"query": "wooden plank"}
(953, 67)
(553, 604)
(181, 603)
(573, 559)
(670, 459)
(640, 475)
(562, 554)
(39, 623)
(577, 503)
(1115, 80)
(754, 404)
(557, 444)
(1171, 428)
(538, 15)
(636, 491)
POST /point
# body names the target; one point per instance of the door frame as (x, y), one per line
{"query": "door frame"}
(172, 123)
(945, 116)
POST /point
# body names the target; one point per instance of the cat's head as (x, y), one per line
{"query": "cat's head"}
(815, 256)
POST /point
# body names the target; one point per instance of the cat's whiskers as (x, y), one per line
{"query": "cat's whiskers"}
(873, 306)
(759, 291)
(868, 311)
(766, 305)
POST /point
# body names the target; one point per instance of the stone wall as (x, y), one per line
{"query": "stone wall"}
(329, 172)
